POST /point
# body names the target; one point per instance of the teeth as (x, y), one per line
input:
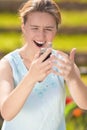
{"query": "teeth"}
(40, 42)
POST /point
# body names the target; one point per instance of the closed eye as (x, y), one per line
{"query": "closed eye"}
(34, 28)
(48, 29)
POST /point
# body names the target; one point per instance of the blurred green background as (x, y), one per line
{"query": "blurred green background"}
(72, 34)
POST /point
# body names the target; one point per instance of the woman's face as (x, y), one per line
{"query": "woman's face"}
(39, 30)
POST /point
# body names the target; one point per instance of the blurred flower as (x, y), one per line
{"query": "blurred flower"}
(68, 100)
(77, 112)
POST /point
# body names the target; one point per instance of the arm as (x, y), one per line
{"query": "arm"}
(78, 90)
(10, 103)
(71, 74)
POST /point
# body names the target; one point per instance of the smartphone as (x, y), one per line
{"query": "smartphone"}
(42, 52)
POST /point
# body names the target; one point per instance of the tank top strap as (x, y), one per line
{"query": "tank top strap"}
(17, 66)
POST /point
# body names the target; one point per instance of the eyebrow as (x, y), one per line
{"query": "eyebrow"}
(44, 27)
(49, 27)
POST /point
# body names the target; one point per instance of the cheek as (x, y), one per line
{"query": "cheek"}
(51, 36)
(28, 35)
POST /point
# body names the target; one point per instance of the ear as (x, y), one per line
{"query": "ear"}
(23, 28)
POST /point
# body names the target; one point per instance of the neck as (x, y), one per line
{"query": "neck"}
(26, 53)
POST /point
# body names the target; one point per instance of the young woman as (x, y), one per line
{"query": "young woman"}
(32, 94)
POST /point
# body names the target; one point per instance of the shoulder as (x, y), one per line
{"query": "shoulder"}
(4, 67)
(5, 73)
(4, 63)
(13, 57)
(11, 54)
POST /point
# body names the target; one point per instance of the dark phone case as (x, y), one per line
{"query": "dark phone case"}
(42, 51)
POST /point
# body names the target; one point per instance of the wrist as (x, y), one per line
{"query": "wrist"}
(73, 81)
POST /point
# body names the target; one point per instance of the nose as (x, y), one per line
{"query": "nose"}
(41, 35)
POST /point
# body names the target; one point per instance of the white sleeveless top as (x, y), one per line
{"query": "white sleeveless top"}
(44, 108)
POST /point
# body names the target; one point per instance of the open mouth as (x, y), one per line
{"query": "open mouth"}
(39, 44)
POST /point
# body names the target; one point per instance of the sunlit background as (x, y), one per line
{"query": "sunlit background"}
(72, 34)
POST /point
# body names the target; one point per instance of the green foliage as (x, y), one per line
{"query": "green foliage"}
(69, 108)
(74, 18)
(76, 118)
(69, 18)
(67, 42)
(80, 1)
(10, 41)
(9, 20)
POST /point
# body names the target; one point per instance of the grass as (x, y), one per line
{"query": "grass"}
(11, 41)
(84, 78)
(67, 42)
(74, 18)
(9, 19)
(69, 18)
(77, 123)
(80, 1)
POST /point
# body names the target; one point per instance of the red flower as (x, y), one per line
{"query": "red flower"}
(69, 100)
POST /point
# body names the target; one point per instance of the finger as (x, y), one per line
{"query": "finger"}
(47, 67)
(47, 62)
(62, 53)
(61, 61)
(72, 54)
(61, 67)
(45, 54)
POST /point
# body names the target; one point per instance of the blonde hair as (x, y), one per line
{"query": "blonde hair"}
(48, 6)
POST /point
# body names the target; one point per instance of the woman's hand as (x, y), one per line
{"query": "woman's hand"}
(39, 69)
(66, 65)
